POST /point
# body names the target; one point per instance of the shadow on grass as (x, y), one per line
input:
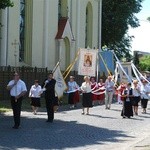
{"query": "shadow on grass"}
(36, 134)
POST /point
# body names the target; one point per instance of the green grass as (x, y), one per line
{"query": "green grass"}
(5, 105)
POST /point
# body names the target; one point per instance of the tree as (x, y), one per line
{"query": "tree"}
(145, 63)
(6, 3)
(136, 59)
(117, 16)
(148, 19)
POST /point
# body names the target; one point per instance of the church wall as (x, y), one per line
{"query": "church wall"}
(13, 34)
(76, 8)
(37, 34)
(52, 30)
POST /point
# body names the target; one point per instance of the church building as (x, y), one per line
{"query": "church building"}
(39, 33)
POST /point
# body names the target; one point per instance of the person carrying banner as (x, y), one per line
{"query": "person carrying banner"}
(127, 96)
(73, 94)
(109, 85)
(93, 87)
(120, 90)
(86, 94)
(49, 85)
(101, 92)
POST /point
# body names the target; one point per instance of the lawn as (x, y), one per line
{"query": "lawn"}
(5, 105)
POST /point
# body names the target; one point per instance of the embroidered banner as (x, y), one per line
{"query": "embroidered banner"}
(60, 86)
(87, 62)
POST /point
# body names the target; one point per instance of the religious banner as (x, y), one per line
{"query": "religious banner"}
(108, 61)
(87, 62)
(125, 73)
(60, 86)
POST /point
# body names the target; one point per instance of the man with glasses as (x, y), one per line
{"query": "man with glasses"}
(17, 89)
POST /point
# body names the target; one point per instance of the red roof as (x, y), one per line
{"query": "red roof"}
(61, 26)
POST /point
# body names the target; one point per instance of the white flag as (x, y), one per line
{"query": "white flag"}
(60, 86)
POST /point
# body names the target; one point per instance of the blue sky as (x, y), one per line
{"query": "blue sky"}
(141, 41)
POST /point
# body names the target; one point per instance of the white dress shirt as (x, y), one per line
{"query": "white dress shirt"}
(144, 90)
(35, 91)
(86, 87)
(136, 92)
(18, 88)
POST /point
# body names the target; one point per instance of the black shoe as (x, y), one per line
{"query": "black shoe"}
(15, 127)
(49, 121)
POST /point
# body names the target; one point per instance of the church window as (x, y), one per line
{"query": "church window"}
(22, 30)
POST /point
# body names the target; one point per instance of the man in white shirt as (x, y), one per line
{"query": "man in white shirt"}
(109, 85)
(17, 89)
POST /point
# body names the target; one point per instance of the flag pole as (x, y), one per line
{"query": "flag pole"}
(56, 66)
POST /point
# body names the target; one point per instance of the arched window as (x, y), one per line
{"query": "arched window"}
(22, 30)
(89, 25)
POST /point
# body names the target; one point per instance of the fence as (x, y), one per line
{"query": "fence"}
(28, 75)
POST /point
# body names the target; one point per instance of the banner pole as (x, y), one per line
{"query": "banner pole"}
(97, 67)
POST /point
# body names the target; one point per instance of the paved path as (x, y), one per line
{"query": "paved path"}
(101, 130)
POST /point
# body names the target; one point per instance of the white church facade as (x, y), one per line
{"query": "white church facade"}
(39, 33)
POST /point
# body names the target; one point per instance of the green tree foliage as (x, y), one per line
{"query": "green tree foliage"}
(6, 3)
(136, 59)
(145, 63)
(117, 16)
(148, 19)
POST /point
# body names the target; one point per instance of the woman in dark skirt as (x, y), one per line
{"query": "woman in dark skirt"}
(136, 96)
(145, 90)
(73, 94)
(87, 95)
(127, 110)
(35, 94)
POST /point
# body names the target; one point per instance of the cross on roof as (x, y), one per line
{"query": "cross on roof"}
(15, 43)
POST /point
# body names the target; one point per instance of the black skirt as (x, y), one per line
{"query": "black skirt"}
(87, 100)
(35, 102)
(71, 98)
(127, 109)
(135, 100)
(144, 103)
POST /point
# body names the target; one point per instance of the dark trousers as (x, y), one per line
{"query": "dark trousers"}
(16, 107)
(50, 110)
(144, 103)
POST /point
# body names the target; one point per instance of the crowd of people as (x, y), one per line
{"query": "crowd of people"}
(127, 94)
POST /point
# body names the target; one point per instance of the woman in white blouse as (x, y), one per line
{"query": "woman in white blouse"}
(87, 95)
(136, 96)
(145, 90)
(35, 94)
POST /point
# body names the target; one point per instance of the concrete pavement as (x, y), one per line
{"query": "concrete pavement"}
(101, 130)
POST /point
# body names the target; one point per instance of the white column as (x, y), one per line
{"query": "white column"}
(3, 48)
(60, 49)
(45, 33)
(100, 25)
(78, 28)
